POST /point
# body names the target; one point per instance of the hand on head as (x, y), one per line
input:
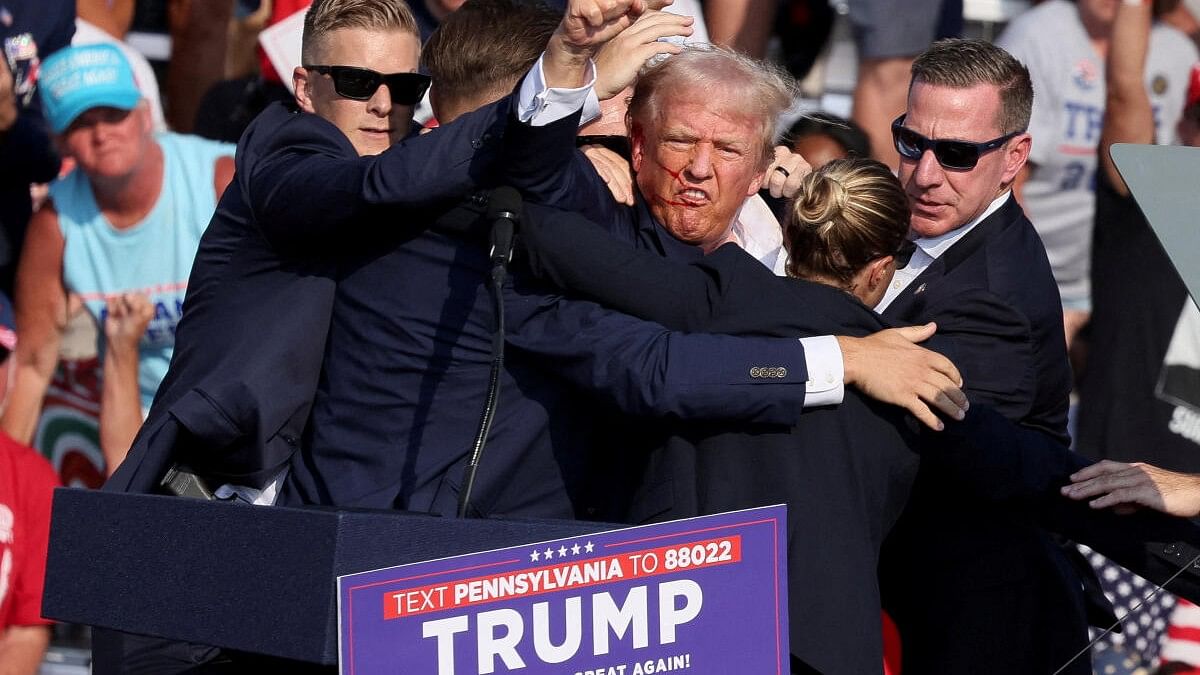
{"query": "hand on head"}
(618, 61)
(585, 27)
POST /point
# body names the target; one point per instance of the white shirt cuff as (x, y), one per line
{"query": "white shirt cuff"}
(826, 372)
(539, 105)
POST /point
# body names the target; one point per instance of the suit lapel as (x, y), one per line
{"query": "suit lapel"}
(910, 303)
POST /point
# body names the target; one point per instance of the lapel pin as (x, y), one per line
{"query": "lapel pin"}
(920, 290)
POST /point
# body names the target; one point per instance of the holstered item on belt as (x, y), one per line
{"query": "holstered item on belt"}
(183, 482)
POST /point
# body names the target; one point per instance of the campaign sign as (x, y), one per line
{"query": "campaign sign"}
(703, 595)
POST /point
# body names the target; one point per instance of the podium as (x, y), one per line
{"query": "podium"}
(254, 579)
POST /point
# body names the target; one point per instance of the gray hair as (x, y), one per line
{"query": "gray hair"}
(762, 91)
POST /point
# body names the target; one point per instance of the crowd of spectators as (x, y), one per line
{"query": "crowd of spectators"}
(113, 171)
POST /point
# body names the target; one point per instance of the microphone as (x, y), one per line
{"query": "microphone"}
(504, 211)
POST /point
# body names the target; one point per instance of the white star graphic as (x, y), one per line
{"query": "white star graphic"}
(575, 549)
(533, 557)
(589, 547)
(562, 551)
(549, 553)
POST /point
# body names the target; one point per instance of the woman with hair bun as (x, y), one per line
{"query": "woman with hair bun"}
(848, 227)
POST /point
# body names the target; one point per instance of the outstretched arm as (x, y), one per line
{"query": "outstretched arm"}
(729, 292)
(307, 187)
(1108, 484)
(992, 458)
(643, 369)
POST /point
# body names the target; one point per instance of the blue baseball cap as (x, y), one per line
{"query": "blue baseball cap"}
(77, 79)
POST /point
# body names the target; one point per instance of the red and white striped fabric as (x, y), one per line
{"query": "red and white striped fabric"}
(1182, 645)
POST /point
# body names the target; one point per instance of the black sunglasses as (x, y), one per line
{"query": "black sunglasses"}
(956, 155)
(360, 84)
(904, 253)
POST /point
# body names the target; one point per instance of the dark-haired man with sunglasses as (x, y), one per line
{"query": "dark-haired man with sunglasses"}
(977, 589)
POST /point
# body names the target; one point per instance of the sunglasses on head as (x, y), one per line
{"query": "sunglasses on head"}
(360, 84)
(958, 155)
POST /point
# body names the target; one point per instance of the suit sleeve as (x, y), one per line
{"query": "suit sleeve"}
(307, 186)
(995, 459)
(644, 369)
(574, 253)
(545, 165)
(992, 345)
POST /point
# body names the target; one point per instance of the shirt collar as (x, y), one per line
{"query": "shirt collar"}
(757, 231)
(936, 246)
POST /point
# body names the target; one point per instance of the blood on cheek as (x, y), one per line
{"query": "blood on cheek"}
(678, 176)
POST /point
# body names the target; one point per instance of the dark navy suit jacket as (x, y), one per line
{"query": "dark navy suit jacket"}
(994, 292)
(844, 473)
(307, 231)
(980, 587)
(407, 364)
(236, 398)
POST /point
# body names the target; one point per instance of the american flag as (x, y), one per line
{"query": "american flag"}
(1135, 650)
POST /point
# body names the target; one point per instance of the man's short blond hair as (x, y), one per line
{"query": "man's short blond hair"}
(327, 16)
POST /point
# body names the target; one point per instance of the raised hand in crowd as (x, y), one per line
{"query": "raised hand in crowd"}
(125, 322)
(620, 60)
(889, 366)
(1128, 486)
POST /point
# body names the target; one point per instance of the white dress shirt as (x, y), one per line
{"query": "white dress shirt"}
(929, 249)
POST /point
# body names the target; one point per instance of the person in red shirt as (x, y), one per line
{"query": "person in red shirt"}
(27, 482)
